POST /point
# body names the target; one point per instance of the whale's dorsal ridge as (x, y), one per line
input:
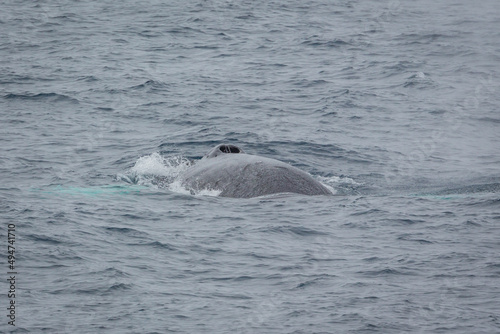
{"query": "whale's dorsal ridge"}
(223, 149)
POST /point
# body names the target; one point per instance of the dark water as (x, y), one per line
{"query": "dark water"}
(395, 105)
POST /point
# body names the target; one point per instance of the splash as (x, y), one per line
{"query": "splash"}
(155, 164)
(338, 184)
(155, 170)
(158, 171)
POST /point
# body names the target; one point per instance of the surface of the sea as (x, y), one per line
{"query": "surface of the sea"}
(393, 104)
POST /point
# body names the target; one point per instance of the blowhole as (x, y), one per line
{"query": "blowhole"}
(223, 149)
(229, 149)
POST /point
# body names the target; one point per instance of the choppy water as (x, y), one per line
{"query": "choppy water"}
(393, 104)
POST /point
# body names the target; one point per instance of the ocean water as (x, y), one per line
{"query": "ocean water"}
(393, 104)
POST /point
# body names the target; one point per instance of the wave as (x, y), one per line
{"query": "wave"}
(316, 41)
(419, 80)
(49, 97)
(151, 85)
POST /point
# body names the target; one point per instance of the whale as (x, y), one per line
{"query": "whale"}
(228, 169)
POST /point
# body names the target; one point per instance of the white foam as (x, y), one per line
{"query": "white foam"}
(420, 75)
(337, 180)
(163, 172)
(177, 187)
(332, 182)
(208, 192)
(155, 164)
(156, 170)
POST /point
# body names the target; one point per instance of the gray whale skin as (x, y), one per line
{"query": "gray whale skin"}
(236, 174)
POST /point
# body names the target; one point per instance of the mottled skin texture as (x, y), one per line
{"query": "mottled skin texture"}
(243, 175)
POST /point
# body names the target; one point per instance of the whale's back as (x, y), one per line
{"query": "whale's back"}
(245, 175)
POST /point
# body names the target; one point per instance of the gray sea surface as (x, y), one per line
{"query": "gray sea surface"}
(392, 104)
